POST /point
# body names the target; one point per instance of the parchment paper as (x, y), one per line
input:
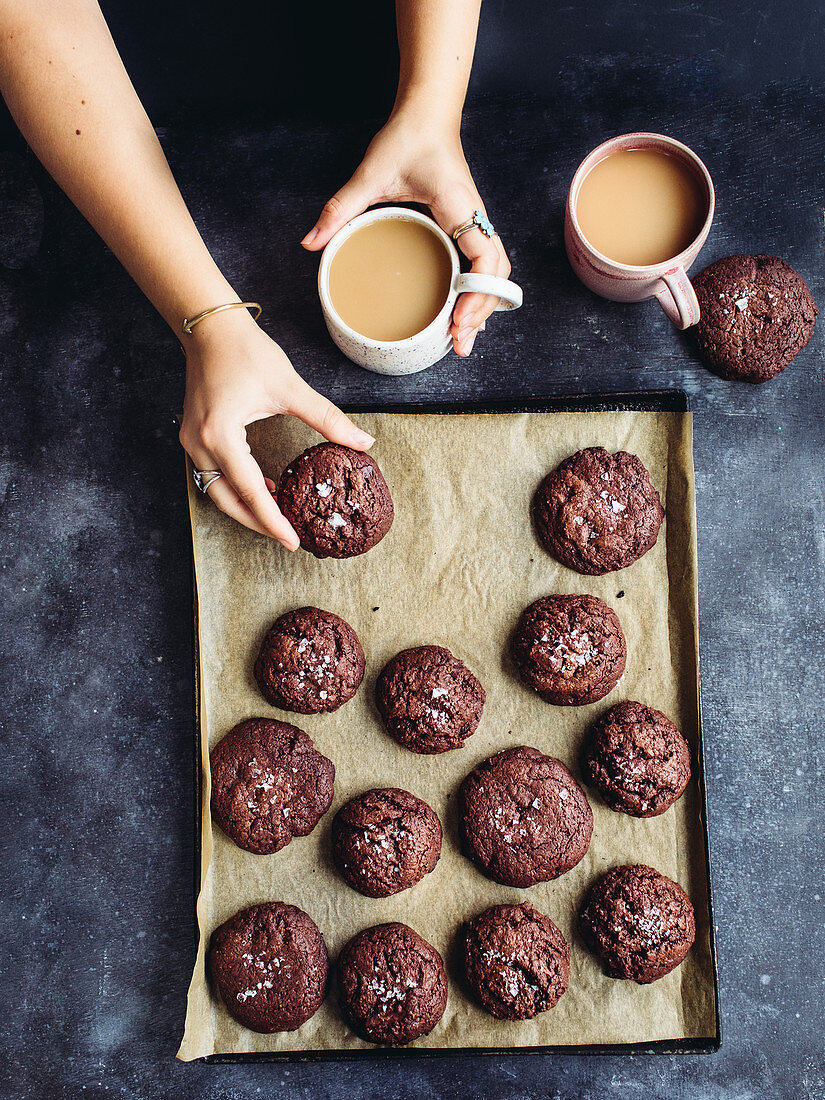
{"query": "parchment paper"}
(457, 568)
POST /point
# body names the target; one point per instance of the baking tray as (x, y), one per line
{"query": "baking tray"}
(651, 401)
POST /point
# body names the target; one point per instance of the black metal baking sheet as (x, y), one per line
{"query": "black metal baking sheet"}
(653, 401)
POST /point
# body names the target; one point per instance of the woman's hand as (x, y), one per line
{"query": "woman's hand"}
(235, 374)
(412, 160)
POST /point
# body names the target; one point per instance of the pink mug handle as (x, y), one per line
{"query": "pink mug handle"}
(678, 298)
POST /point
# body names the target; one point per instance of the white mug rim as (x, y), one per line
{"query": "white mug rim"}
(600, 153)
(346, 231)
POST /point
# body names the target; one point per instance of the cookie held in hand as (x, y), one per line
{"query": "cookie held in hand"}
(337, 500)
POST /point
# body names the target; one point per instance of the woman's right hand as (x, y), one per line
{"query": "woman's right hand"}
(235, 375)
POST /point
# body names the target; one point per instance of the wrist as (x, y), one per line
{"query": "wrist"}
(235, 325)
(419, 108)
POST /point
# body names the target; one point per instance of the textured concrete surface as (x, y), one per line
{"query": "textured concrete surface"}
(95, 624)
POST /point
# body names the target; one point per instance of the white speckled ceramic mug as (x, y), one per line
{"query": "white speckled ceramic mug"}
(431, 344)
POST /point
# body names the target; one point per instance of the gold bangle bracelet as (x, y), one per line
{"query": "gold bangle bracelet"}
(190, 322)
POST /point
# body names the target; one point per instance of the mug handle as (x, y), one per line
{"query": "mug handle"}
(678, 298)
(508, 292)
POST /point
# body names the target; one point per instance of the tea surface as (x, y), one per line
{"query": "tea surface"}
(641, 206)
(390, 279)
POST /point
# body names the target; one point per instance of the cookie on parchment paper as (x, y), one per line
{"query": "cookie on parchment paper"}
(269, 784)
(392, 984)
(523, 818)
(570, 649)
(310, 662)
(516, 961)
(640, 923)
(270, 966)
(429, 700)
(385, 841)
(637, 759)
(598, 512)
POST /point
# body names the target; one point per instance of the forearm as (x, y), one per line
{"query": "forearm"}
(65, 85)
(436, 40)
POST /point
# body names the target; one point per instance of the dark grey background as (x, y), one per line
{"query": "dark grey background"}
(95, 628)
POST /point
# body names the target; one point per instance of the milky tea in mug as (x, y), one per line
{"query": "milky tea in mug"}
(390, 279)
(641, 206)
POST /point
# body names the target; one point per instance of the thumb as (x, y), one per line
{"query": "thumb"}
(353, 198)
(320, 413)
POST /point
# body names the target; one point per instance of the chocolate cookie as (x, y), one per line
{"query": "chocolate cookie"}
(597, 512)
(337, 501)
(523, 818)
(637, 759)
(516, 961)
(570, 649)
(757, 315)
(384, 841)
(269, 784)
(393, 988)
(310, 661)
(270, 964)
(429, 700)
(638, 922)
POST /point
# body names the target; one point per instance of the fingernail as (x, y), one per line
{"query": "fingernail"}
(361, 439)
(292, 547)
(310, 237)
(469, 346)
(482, 327)
(464, 333)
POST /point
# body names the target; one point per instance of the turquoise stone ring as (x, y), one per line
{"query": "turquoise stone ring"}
(480, 221)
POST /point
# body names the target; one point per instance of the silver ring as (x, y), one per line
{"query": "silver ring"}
(478, 221)
(205, 478)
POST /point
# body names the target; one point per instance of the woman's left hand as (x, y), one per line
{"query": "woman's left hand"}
(411, 161)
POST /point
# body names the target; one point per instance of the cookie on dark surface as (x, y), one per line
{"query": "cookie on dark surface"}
(269, 784)
(385, 841)
(310, 662)
(637, 759)
(392, 984)
(270, 966)
(523, 818)
(757, 314)
(337, 500)
(429, 700)
(516, 961)
(597, 512)
(570, 649)
(640, 923)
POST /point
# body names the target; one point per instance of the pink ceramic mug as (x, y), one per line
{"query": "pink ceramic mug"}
(619, 282)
